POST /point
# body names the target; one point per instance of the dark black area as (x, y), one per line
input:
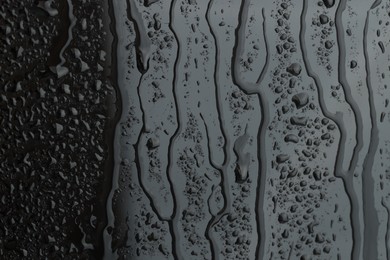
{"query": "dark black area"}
(56, 132)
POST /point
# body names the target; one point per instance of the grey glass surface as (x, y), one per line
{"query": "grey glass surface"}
(258, 129)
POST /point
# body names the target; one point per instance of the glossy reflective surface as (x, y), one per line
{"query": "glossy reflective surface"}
(195, 130)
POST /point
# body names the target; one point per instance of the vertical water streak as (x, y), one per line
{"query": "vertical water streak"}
(225, 183)
(173, 227)
(346, 177)
(139, 161)
(208, 235)
(387, 236)
(60, 69)
(143, 49)
(348, 95)
(261, 183)
(117, 41)
(142, 42)
(371, 219)
(239, 48)
(254, 88)
(226, 146)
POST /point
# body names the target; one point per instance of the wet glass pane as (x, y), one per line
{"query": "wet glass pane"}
(152, 130)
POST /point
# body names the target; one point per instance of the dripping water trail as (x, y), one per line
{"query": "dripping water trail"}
(357, 228)
(60, 40)
(138, 160)
(226, 145)
(108, 254)
(354, 216)
(211, 161)
(348, 93)
(387, 237)
(225, 187)
(254, 88)
(262, 153)
(173, 223)
(346, 177)
(238, 51)
(60, 69)
(212, 219)
(335, 117)
(114, 148)
(261, 183)
(142, 40)
(142, 48)
(371, 219)
(107, 236)
(206, 234)
(73, 20)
